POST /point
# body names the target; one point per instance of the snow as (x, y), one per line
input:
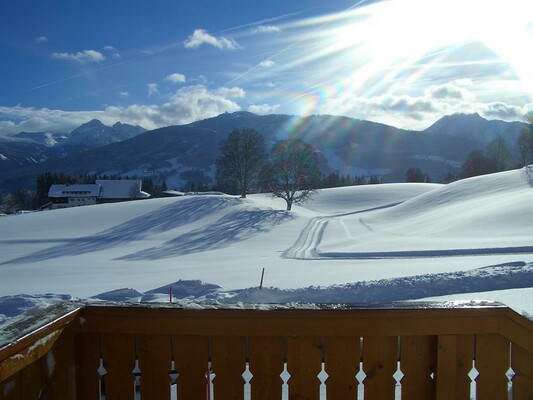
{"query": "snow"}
(469, 240)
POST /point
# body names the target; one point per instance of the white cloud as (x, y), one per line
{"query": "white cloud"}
(267, 64)
(446, 92)
(234, 92)
(81, 56)
(264, 108)
(112, 49)
(176, 78)
(188, 104)
(28, 119)
(153, 89)
(503, 111)
(40, 39)
(201, 37)
(124, 94)
(202, 79)
(266, 29)
(456, 90)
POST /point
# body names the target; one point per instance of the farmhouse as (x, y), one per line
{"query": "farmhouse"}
(102, 191)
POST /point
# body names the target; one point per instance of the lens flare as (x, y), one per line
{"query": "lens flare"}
(386, 56)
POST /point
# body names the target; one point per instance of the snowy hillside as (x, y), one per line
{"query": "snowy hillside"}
(365, 243)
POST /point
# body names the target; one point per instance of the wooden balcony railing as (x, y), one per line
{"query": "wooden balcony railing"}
(158, 353)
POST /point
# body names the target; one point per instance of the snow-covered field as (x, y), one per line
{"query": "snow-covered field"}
(472, 239)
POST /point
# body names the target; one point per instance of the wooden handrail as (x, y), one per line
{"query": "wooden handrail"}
(434, 346)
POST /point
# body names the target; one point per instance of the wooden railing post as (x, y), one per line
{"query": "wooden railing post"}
(87, 364)
(418, 362)
(455, 354)
(380, 355)
(228, 359)
(522, 363)
(59, 368)
(266, 366)
(304, 363)
(492, 362)
(192, 364)
(118, 353)
(342, 364)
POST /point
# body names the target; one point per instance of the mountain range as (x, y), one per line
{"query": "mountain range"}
(187, 153)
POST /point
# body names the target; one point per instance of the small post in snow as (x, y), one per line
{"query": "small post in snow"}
(170, 293)
(262, 276)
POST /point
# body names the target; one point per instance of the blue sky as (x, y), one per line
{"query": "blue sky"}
(164, 62)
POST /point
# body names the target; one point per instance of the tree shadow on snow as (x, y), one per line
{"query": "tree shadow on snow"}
(233, 227)
(178, 214)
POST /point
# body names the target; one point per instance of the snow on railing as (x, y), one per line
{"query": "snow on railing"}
(407, 351)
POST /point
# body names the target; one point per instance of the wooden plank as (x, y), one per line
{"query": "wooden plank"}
(225, 322)
(446, 367)
(28, 355)
(517, 329)
(455, 357)
(465, 357)
(522, 363)
(380, 355)
(342, 356)
(418, 360)
(155, 356)
(228, 360)
(304, 363)
(59, 369)
(266, 366)
(31, 381)
(56, 322)
(118, 353)
(87, 364)
(191, 355)
(10, 389)
(492, 362)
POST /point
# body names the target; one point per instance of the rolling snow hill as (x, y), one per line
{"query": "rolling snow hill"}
(353, 244)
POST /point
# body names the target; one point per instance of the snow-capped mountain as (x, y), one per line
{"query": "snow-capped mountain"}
(89, 135)
(24, 154)
(95, 134)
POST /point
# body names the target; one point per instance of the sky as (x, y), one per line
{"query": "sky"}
(165, 62)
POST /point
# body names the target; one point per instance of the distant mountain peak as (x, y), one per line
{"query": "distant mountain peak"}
(236, 114)
(475, 127)
(90, 126)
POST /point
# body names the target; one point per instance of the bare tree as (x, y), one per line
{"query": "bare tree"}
(242, 156)
(499, 156)
(292, 173)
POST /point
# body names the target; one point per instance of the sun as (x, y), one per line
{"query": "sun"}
(419, 35)
(393, 46)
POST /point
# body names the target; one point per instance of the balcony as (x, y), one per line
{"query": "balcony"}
(413, 351)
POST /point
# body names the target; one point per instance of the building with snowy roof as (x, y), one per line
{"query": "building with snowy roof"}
(102, 191)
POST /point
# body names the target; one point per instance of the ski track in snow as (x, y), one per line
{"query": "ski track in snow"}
(311, 236)
(305, 248)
